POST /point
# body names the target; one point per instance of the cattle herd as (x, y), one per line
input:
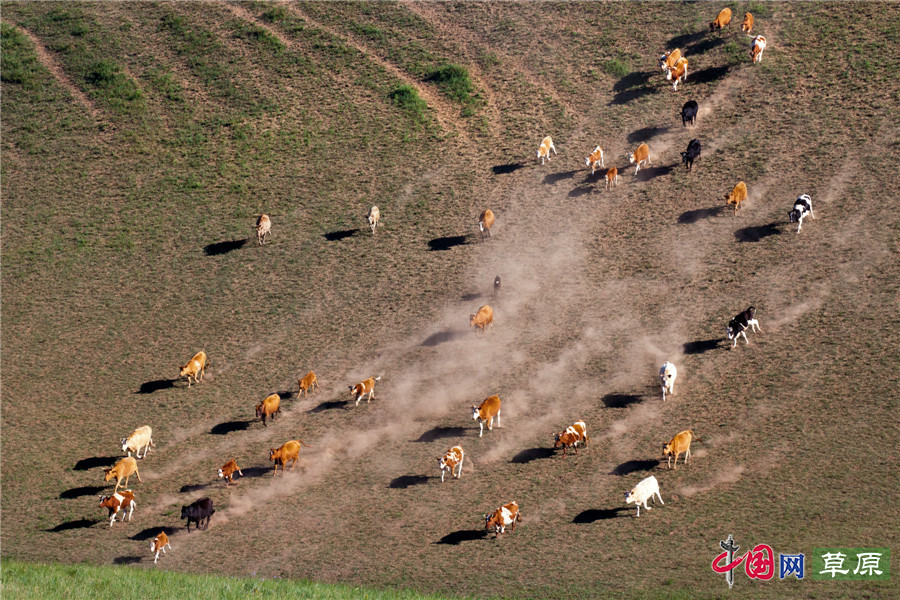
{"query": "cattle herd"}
(675, 65)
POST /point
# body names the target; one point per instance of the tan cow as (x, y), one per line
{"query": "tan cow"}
(159, 543)
(485, 222)
(364, 388)
(195, 368)
(736, 196)
(263, 229)
(123, 470)
(228, 469)
(123, 501)
(289, 451)
(756, 49)
(505, 516)
(450, 461)
(668, 60)
(373, 217)
(142, 437)
(571, 437)
(269, 407)
(640, 156)
(545, 148)
(596, 158)
(612, 177)
(678, 444)
(722, 20)
(486, 412)
(307, 382)
(482, 319)
(678, 73)
(747, 23)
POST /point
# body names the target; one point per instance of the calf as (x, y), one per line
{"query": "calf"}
(263, 229)
(640, 156)
(364, 388)
(612, 177)
(496, 285)
(123, 469)
(596, 158)
(802, 207)
(452, 460)
(668, 60)
(198, 511)
(373, 218)
(142, 437)
(195, 367)
(723, 19)
(667, 375)
(123, 501)
(227, 471)
(741, 321)
(485, 222)
(689, 113)
(269, 407)
(678, 73)
(678, 444)
(756, 48)
(482, 319)
(505, 516)
(289, 451)
(642, 492)
(692, 154)
(158, 544)
(571, 437)
(307, 382)
(736, 196)
(747, 23)
(545, 148)
(485, 412)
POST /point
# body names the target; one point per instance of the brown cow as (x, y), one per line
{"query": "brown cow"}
(289, 451)
(678, 73)
(373, 217)
(722, 20)
(736, 196)
(159, 543)
(195, 367)
(453, 458)
(485, 222)
(545, 148)
(747, 23)
(571, 437)
(756, 48)
(596, 158)
(505, 516)
(263, 229)
(364, 388)
(612, 177)
(123, 470)
(123, 501)
(668, 60)
(678, 444)
(482, 319)
(269, 407)
(227, 471)
(639, 156)
(308, 381)
(485, 412)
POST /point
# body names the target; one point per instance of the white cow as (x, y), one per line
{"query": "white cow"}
(667, 375)
(642, 492)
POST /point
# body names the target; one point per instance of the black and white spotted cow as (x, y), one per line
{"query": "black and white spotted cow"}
(740, 323)
(802, 207)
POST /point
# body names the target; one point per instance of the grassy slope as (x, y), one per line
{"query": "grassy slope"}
(105, 221)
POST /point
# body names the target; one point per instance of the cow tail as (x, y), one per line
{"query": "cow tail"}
(696, 437)
(302, 444)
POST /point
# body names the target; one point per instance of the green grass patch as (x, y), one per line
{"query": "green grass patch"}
(617, 67)
(406, 97)
(114, 86)
(454, 81)
(18, 63)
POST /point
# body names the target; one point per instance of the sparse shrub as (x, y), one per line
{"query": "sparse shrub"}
(454, 80)
(736, 53)
(617, 67)
(114, 86)
(407, 98)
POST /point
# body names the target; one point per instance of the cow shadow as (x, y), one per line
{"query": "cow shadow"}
(405, 481)
(701, 346)
(755, 234)
(88, 490)
(230, 427)
(148, 387)
(224, 247)
(463, 535)
(620, 400)
(254, 472)
(633, 466)
(646, 133)
(336, 236)
(506, 169)
(95, 461)
(594, 514)
(472, 297)
(436, 339)
(526, 456)
(702, 46)
(648, 173)
(708, 75)
(685, 39)
(440, 433)
(632, 86)
(287, 395)
(583, 190)
(552, 178)
(187, 489)
(692, 216)
(445, 243)
(127, 560)
(76, 524)
(152, 532)
(329, 405)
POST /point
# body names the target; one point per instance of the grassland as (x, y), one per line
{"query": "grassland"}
(140, 141)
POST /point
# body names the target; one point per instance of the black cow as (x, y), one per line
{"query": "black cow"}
(199, 510)
(740, 323)
(689, 112)
(497, 285)
(692, 154)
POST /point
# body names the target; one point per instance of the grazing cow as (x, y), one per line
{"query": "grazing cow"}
(496, 285)
(158, 543)
(736, 196)
(802, 207)
(640, 156)
(756, 48)
(505, 516)
(373, 217)
(612, 177)
(123, 470)
(571, 437)
(485, 222)
(364, 388)
(678, 444)
(452, 460)
(307, 382)
(667, 375)
(198, 511)
(642, 492)
(747, 23)
(228, 469)
(195, 367)
(139, 438)
(123, 501)
(482, 319)
(689, 113)
(545, 148)
(668, 60)
(263, 229)
(269, 407)
(722, 20)
(692, 154)
(738, 325)
(678, 73)
(289, 451)
(485, 412)
(596, 158)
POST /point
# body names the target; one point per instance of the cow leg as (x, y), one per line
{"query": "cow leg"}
(687, 455)
(746, 341)
(660, 497)
(676, 461)
(491, 424)
(481, 428)
(113, 519)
